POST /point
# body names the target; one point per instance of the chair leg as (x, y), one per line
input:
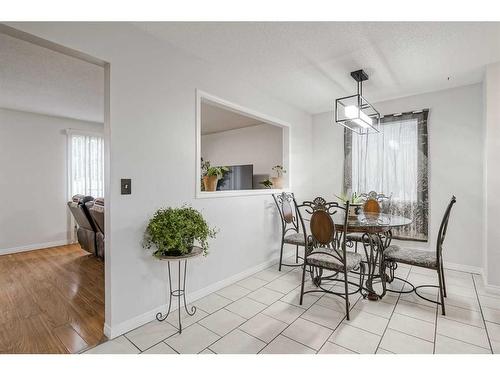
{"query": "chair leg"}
(441, 290)
(356, 247)
(297, 254)
(346, 284)
(281, 254)
(444, 282)
(303, 281)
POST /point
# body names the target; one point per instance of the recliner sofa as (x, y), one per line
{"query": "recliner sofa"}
(96, 209)
(86, 227)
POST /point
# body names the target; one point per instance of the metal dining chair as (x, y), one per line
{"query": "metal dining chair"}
(293, 230)
(326, 250)
(372, 205)
(421, 258)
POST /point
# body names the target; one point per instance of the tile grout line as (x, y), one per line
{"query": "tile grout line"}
(234, 329)
(395, 305)
(482, 315)
(208, 314)
(462, 341)
(435, 329)
(338, 325)
(304, 318)
(177, 332)
(166, 338)
(247, 319)
(140, 351)
(299, 317)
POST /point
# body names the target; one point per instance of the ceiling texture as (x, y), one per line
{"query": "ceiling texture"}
(37, 79)
(307, 64)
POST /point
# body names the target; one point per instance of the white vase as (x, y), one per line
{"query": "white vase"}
(277, 182)
(354, 209)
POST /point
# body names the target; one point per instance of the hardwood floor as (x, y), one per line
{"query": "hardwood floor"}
(51, 301)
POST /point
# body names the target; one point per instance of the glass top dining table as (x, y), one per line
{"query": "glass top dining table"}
(378, 230)
(365, 222)
(370, 223)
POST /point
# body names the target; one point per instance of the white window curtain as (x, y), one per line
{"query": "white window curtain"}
(393, 162)
(86, 163)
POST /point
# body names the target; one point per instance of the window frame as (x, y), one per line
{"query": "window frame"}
(423, 185)
(199, 194)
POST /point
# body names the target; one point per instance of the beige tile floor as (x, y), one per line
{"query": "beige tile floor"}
(262, 314)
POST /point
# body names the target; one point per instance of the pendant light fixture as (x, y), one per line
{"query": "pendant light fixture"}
(354, 112)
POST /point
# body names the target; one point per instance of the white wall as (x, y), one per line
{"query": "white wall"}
(328, 155)
(456, 132)
(492, 254)
(260, 145)
(33, 179)
(152, 137)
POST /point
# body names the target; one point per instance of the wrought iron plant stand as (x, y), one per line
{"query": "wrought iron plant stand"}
(180, 292)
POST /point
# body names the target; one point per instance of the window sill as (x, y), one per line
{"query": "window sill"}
(236, 193)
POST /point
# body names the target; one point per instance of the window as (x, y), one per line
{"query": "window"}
(393, 162)
(239, 151)
(86, 163)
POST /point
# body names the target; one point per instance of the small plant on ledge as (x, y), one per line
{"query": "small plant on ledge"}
(278, 180)
(355, 202)
(354, 198)
(173, 231)
(280, 171)
(267, 184)
(211, 175)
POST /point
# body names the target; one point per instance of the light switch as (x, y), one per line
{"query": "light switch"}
(126, 184)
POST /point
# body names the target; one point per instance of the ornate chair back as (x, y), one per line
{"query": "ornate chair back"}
(324, 234)
(291, 220)
(443, 227)
(373, 202)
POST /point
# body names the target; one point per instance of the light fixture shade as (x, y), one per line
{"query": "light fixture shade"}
(357, 114)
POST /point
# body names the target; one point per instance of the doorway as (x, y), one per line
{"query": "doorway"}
(54, 261)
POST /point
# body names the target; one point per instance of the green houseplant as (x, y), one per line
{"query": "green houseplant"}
(173, 231)
(267, 184)
(355, 202)
(211, 175)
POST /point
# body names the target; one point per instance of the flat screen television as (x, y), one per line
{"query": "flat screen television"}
(239, 178)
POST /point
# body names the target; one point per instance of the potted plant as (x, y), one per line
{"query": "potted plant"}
(211, 175)
(173, 231)
(267, 184)
(214, 174)
(278, 180)
(205, 164)
(355, 203)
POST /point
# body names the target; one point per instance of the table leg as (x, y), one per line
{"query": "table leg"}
(374, 246)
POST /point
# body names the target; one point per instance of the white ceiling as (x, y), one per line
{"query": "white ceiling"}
(215, 119)
(307, 64)
(36, 79)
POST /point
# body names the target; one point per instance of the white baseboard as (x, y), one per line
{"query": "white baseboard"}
(463, 268)
(493, 289)
(114, 331)
(35, 246)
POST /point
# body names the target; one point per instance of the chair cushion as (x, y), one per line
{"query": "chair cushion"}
(295, 239)
(413, 257)
(319, 259)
